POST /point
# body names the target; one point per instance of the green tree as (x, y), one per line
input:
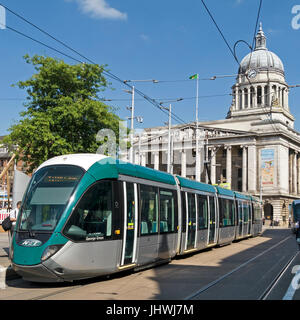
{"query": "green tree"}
(62, 114)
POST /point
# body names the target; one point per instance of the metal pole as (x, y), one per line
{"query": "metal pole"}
(197, 138)
(131, 126)
(260, 189)
(169, 141)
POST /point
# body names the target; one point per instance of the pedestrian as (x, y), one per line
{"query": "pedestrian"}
(13, 218)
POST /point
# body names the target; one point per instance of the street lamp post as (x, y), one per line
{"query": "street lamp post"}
(139, 119)
(131, 123)
(197, 133)
(169, 109)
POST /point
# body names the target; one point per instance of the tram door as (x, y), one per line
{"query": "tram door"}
(240, 219)
(250, 217)
(212, 220)
(130, 223)
(191, 221)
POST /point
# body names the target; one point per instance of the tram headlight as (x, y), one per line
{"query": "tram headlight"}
(50, 251)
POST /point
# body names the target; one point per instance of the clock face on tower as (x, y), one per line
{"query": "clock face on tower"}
(252, 73)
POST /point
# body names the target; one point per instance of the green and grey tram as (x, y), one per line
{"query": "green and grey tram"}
(86, 215)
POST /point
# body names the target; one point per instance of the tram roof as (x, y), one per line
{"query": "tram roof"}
(225, 192)
(255, 199)
(192, 184)
(112, 168)
(242, 196)
(103, 167)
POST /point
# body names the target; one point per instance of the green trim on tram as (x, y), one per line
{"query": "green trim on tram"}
(225, 192)
(192, 184)
(110, 168)
(242, 196)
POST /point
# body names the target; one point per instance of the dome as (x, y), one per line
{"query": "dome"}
(261, 58)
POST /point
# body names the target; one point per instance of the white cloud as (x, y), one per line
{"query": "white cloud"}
(99, 9)
(144, 37)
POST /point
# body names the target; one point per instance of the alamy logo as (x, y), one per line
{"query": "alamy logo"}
(296, 18)
(295, 281)
(2, 18)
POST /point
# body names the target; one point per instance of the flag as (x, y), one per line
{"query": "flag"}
(194, 76)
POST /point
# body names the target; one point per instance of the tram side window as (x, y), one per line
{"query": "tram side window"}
(192, 211)
(149, 209)
(212, 206)
(246, 211)
(257, 212)
(183, 212)
(240, 211)
(202, 212)
(226, 212)
(92, 217)
(167, 211)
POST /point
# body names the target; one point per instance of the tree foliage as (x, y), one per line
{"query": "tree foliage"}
(62, 114)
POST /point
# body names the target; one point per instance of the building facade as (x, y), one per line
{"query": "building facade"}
(254, 150)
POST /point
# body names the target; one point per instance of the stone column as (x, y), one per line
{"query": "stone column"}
(255, 97)
(249, 94)
(295, 172)
(298, 174)
(236, 98)
(252, 169)
(156, 160)
(143, 159)
(244, 173)
(228, 165)
(183, 163)
(263, 98)
(286, 100)
(136, 157)
(290, 173)
(213, 166)
(243, 99)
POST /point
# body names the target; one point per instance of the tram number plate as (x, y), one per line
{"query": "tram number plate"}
(31, 243)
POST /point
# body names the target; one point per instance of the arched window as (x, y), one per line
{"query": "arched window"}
(259, 95)
(251, 97)
(246, 97)
(268, 211)
(282, 97)
(274, 93)
(267, 95)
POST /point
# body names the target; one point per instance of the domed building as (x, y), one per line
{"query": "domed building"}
(261, 88)
(254, 150)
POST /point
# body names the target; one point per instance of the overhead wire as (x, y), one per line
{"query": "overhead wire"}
(105, 72)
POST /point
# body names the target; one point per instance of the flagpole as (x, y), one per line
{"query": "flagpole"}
(197, 133)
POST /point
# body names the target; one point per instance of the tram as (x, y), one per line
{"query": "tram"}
(295, 214)
(86, 215)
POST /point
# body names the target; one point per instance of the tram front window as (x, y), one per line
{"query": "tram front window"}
(47, 195)
(297, 212)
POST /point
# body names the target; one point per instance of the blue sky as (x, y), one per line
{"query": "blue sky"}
(163, 40)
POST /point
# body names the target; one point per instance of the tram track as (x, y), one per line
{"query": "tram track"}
(269, 279)
(276, 280)
(207, 287)
(47, 295)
